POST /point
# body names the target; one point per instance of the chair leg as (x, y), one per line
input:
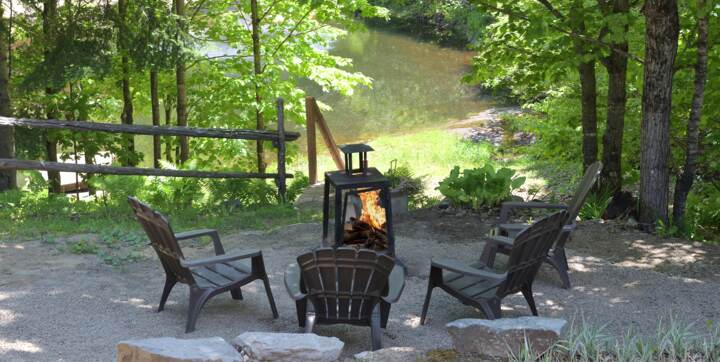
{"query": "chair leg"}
(434, 280)
(198, 297)
(270, 297)
(491, 309)
(170, 282)
(236, 293)
(527, 293)
(384, 313)
(301, 308)
(309, 322)
(558, 260)
(375, 331)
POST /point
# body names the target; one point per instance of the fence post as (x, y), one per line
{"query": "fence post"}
(327, 137)
(311, 140)
(281, 178)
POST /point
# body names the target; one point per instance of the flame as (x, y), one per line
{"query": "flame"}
(372, 212)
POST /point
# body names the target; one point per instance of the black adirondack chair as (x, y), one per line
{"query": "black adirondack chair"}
(556, 257)
(345, 285)
(484, 288)
(206, 277)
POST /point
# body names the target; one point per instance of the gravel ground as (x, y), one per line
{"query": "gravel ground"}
(59, 306)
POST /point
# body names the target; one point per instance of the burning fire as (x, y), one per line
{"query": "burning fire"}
(372, 213)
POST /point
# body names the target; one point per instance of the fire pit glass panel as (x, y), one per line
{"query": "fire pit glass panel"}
(373, 227)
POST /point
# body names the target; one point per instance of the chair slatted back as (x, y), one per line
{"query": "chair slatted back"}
(588, 180)
(345, 284)
(162, 240)
(529, 250)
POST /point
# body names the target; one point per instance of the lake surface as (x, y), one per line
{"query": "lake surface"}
(416, 85)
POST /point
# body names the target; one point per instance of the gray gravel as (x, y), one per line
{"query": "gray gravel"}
(58, 306)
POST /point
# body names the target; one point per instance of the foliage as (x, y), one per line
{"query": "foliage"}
(595, 205)
(480, 187)
(453, 22)
(83, 247)
(402, 179)
(673, 341)
(702, 217)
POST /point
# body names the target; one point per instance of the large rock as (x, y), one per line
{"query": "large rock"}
(264, 346)
(392, 354)
(167, 349)
(500, 337)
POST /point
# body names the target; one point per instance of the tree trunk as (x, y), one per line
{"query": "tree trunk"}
(127, 111)
(685, 180)
(661, 42)
(180, 80)
(611, 175)
(168, 121)
(257, 67)
(8, 178)
(588, 89)
(49, 22)
(155, 106)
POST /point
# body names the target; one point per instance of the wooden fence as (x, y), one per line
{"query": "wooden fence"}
(279, 138)
(315, 118)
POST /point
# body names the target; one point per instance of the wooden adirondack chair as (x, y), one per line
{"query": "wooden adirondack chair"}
(556, 257)
(345, 285)
(484, 288)
(206, 277)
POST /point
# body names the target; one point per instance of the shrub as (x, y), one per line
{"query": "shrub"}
(702, 213)
(402, 178)
(595, 205)
(480, 187)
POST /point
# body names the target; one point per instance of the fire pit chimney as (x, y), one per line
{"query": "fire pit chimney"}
(351, 149)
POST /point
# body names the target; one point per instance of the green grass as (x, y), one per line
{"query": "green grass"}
(430, 153)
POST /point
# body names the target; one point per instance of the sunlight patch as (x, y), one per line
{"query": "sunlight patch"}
(19, 346)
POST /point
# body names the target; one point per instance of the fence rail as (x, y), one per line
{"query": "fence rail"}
(278, 139)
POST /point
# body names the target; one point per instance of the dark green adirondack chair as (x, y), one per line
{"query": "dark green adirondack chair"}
(206, 277)
(556, 257)
(484, 288)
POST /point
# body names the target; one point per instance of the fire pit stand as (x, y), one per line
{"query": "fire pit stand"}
(345, 182)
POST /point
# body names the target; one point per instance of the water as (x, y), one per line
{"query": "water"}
(416, 85)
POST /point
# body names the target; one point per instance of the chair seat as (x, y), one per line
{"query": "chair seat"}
(222, 274)
(469, 286)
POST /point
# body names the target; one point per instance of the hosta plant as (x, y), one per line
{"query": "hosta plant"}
(480, 187)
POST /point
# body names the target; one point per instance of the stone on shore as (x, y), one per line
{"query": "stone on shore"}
(286, 347)
(167, 349)
(502, 337)
(391, 354)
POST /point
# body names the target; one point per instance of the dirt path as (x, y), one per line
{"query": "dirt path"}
(59, 306)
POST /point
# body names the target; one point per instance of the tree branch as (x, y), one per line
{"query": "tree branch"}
(552, 9)
(287, 37)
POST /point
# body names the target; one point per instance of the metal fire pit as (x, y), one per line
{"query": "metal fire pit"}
(355, 181)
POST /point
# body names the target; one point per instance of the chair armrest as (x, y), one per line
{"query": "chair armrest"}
(501, 240)
(458, 267)
(396, 283)
(218, 259)
(292, 282)
(506, 207)
(212, 233)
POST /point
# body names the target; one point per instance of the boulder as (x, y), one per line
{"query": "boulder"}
(167, 349)
(391, 354)
(281, 347)
(500, 337)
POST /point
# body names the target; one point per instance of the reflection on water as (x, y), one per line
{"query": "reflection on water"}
(415, 85)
